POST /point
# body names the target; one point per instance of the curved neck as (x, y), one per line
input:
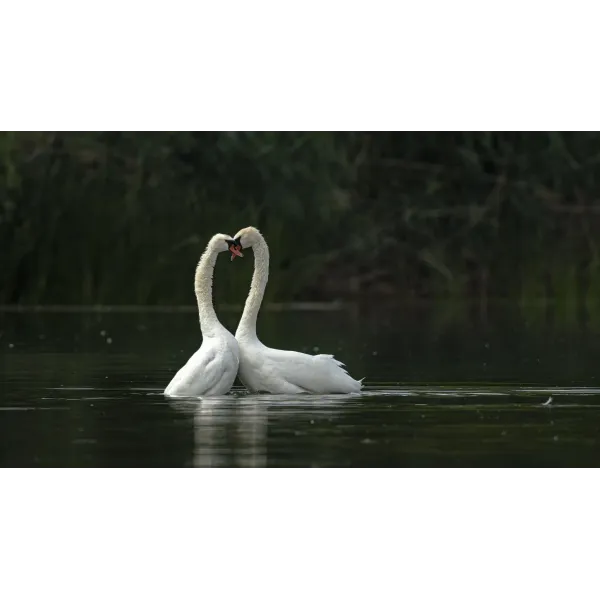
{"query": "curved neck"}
(203, 288)
(247, 326)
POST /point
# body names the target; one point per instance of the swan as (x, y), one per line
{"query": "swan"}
(264, 369)
(212, 369)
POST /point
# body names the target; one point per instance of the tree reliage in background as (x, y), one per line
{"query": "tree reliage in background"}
(111, 218)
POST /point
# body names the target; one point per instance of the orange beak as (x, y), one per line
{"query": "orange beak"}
(235, 251)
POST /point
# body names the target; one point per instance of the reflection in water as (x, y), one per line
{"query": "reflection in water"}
(209, 430)
(232, 430)
(228, 431)
(252, 433)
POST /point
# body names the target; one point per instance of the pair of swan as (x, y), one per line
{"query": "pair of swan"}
(211, 370)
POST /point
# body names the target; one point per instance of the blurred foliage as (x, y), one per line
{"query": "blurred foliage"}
(110, 218)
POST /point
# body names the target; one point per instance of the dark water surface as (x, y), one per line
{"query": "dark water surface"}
(445, 387)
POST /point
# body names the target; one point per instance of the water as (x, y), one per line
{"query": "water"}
(445, 387)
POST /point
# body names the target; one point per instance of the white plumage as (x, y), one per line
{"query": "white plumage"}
(212, 369)
(264, 369)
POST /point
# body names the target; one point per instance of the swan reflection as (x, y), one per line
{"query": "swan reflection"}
(228, 431)
(231, 431)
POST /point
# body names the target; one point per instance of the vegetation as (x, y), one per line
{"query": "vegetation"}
(121, 218)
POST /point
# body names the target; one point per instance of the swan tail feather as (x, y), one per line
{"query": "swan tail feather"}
(330, 357)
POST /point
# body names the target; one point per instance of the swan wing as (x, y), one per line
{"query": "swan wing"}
(319, 374)
(211, 370)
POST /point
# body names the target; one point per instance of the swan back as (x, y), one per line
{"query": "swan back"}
(264, 369)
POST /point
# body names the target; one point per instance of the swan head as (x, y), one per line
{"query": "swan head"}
(244, 238)
(221, 242)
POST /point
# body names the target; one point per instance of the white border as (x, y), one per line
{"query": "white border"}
(421, 533)
(315, 66)
(233, 65)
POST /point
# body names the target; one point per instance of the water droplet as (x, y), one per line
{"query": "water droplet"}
(374, 352)
(11, 345)
(109, 340)
(103, 333)
(315, 348)
(312, 422)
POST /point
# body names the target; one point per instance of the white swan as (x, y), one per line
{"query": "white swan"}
(211, 370)
(264, 369)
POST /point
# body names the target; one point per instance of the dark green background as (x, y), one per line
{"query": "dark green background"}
(121, 218)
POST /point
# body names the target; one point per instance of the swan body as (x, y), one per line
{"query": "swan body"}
(212, 369)
(264, 369)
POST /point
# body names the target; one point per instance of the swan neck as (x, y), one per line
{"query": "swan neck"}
(203, 288)
(247, 326)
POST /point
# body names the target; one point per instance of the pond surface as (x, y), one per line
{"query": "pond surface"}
(445, 386)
